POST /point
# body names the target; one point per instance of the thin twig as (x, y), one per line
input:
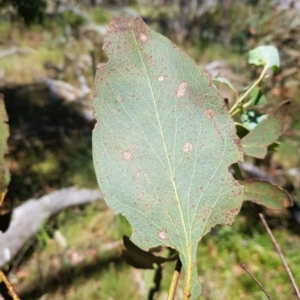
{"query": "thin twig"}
(233, 110)
(276, 246)
(175, 279)
(278, 250)
(9, 286)
(255, 280)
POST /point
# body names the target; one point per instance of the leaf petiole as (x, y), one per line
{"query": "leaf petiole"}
(234, 109)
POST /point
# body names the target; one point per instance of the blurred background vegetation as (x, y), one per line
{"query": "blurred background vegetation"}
(49, 53)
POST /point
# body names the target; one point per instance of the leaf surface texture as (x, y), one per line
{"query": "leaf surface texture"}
(163, 143)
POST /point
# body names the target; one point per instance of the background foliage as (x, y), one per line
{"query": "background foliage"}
(50, 140)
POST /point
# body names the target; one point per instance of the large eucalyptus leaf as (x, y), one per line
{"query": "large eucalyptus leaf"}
(4, 133)
(163, 143)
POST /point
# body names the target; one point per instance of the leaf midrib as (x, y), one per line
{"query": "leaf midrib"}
(188, 245)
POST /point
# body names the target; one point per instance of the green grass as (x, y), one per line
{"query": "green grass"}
(19, 69)
(100, 16)
(219, 256)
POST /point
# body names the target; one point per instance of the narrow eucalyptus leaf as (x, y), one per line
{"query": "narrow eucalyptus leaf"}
(256, 142)
(265, 193)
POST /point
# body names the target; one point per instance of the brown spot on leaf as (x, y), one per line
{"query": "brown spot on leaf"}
(161, 78)
(101, 67)
(113, 25)
(127, 155)
(142, 37)
(187, 147)
(234, 211)
(239, 144)
(162, 235)
(181, 89)
(149, 59)
(210, 113)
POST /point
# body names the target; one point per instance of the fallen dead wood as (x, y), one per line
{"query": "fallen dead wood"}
(15, 50)
(30, 216)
